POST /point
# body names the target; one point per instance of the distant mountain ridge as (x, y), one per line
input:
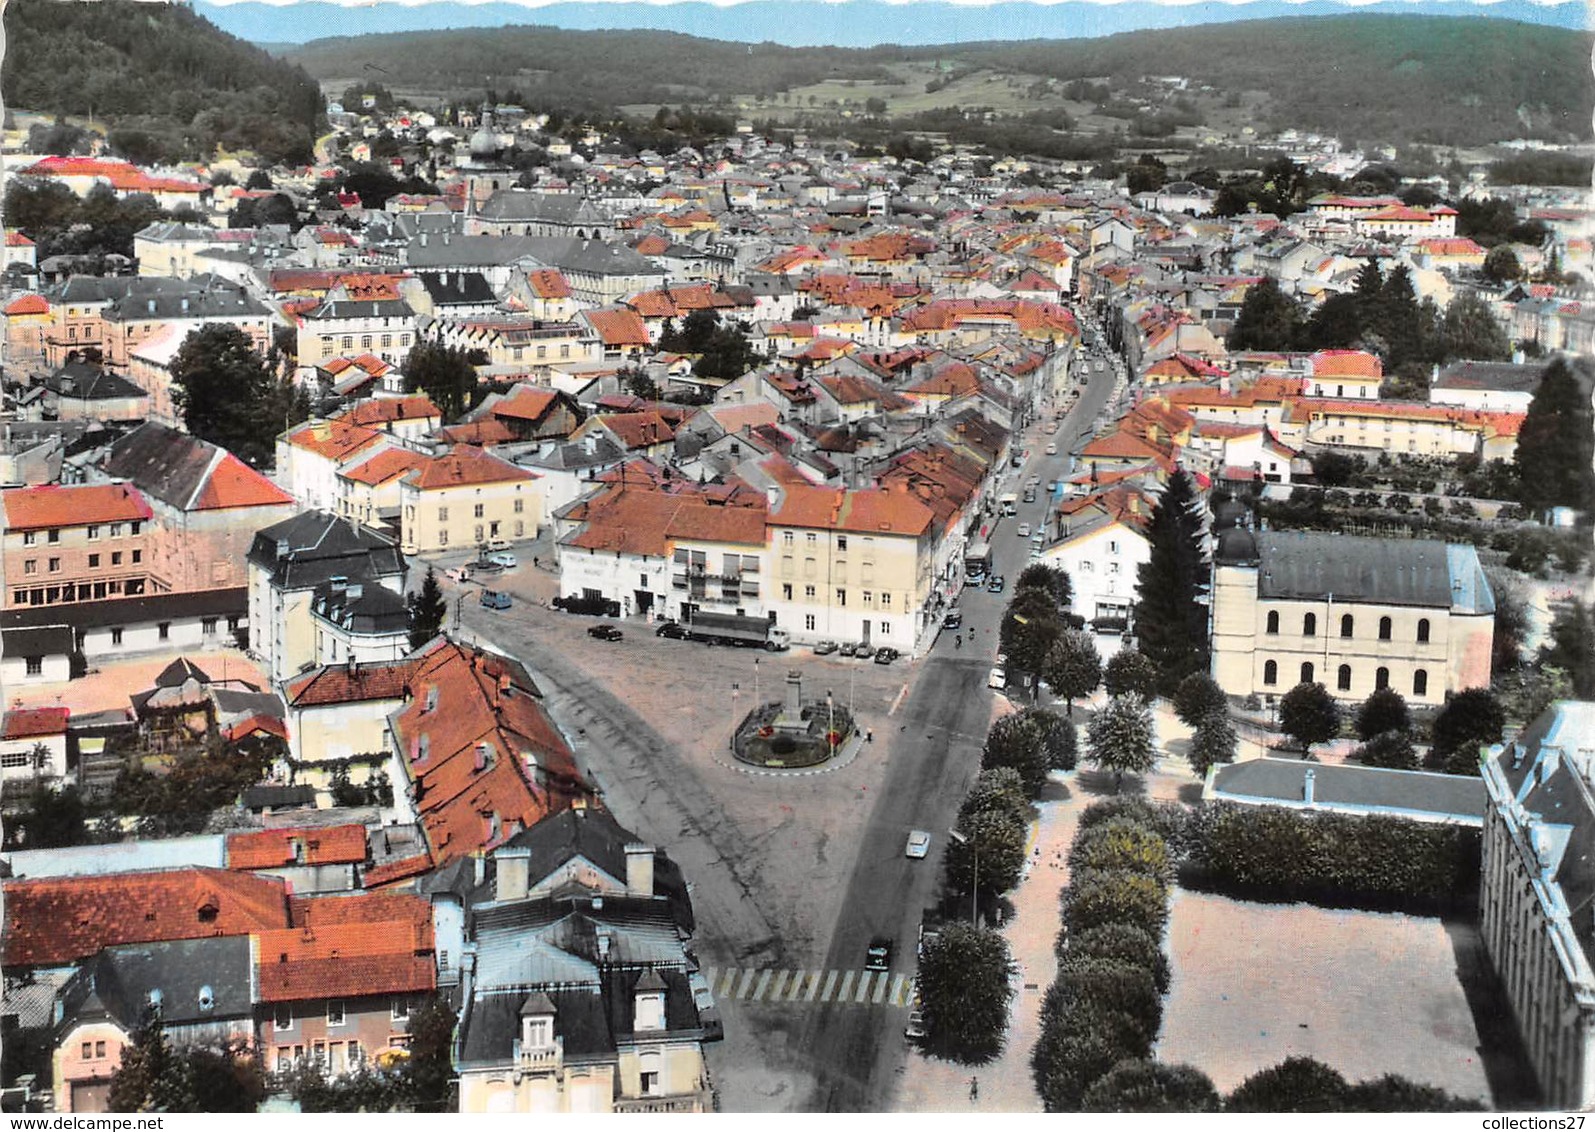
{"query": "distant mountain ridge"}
(816, 23)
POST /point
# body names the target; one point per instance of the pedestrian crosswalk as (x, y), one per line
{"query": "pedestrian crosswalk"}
(854, 988)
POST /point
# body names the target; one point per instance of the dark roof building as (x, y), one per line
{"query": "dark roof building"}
(1360, 790)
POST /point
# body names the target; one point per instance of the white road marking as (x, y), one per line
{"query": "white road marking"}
(764, 981)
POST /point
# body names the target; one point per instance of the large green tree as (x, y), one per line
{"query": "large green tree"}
(230, 395)
(964, 991)
(1269, 319)
(1383, 710)
(1151, 1086)
(1197, 697)
(430, 1066)
(1170, 617)
(1469, 330)
(1119, 738)
(1072, 667)
(1572, 647)
(1049, 579)
(445, 374)
(1129, 671)
(1471, 719)
(1213, 742)
(1029, 628)
(1297, 1084)
(1309, 714)
(1556, 444)
(153, 1076)
(1017, 741)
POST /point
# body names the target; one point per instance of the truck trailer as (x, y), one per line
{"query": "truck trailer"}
(733, 629)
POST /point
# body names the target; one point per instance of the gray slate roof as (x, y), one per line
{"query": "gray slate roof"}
(314, 547)
(1353, 788)
(1310, 566)
(1502, 377)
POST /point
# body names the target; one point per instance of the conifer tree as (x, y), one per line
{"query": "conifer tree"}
(1170, 621)
(427, 611)
(1556, 443)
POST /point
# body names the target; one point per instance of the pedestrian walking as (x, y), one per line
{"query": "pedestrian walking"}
(974, 1088)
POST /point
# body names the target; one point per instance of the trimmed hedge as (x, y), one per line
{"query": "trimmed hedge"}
(1122, 844)
(1111, 896)
(1337, 860)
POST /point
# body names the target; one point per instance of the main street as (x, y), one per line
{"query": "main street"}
(859, 1051)
(789, 874)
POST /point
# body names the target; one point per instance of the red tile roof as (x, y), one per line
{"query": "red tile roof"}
(278, 848)
(54, 921)
(463, 465)
(30, 723)
(335, 439)
(884, 511)
(384, 466)
(618, 327)
(348, 953)
(232, 483)
(1347, 363)
(340, 684)
(51, 505)
(379, 411)
(548, 284)
(28, 304)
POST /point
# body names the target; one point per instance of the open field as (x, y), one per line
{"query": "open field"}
(1367, 993)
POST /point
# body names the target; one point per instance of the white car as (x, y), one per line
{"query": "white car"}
(503, 558)
(918, 845)
(998, 678)
(1024, 530)
(1052, 450)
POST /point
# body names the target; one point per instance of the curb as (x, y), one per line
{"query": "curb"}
(848, 754)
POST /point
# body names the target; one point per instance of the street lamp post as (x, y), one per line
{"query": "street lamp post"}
(830, 730)
(974, 887)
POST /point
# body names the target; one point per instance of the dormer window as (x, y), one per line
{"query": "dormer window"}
(537, 1032)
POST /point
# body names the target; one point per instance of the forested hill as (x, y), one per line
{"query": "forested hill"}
(166, 80)
(1384, 78)
(1380, 77)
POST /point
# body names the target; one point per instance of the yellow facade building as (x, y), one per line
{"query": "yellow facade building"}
(465, 498)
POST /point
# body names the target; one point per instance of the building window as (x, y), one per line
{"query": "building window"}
(1423, 631)
(443, 538)
(136, 527)
(650, 1082)
(476, 511)
(1270, 672)
(365, 341)
(31, 566)
(400, 1010)
(164, 629)
(786, 538)
(886, 601)
(808, 622)
(55, 565)
(443, 514)
(841, 542)
(335, 1012)
(1381, 679)
(520, 505)
(841, 596)
(94, 534)
(94, 562)
(357, 1055)
(813, 538)
(1273, 621)
(54, 536)
(869, 597)
(786, 591)
(808, 592)
(1309, 625)
(116, 635)
(1343, 678)
(88, 1050)
(1345, 625)
(1420, 683)
(1307, 672)
(29, 538)
(35, 666)
(138, 556)
(283, 1017)
(116, 558)
(348, 341)
(208, 626)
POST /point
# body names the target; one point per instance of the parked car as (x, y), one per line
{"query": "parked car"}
(1052, 448)
(997, 678)
(504, 559)
(996, 585)
(601, 606)
(954, 618)
(1024, 530)
(864, 651)
(604, 632)
(915, 1030)
(495, 599)
(671, 629)
(887, 655)
(459, 575)
(825, 648)
(878, 956)
(918, 845)
(848, 649)
(497, 544)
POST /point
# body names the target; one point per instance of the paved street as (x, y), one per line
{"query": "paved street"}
(794, 873)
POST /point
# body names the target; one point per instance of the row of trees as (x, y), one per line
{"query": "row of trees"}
(1381, 314)
(1105, 1007)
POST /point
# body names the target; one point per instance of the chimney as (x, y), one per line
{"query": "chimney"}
(513, 876)
(639, 869)
(1307, 785)
(478, 869)
(339, 583)
(481, 756)
(353, 593)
